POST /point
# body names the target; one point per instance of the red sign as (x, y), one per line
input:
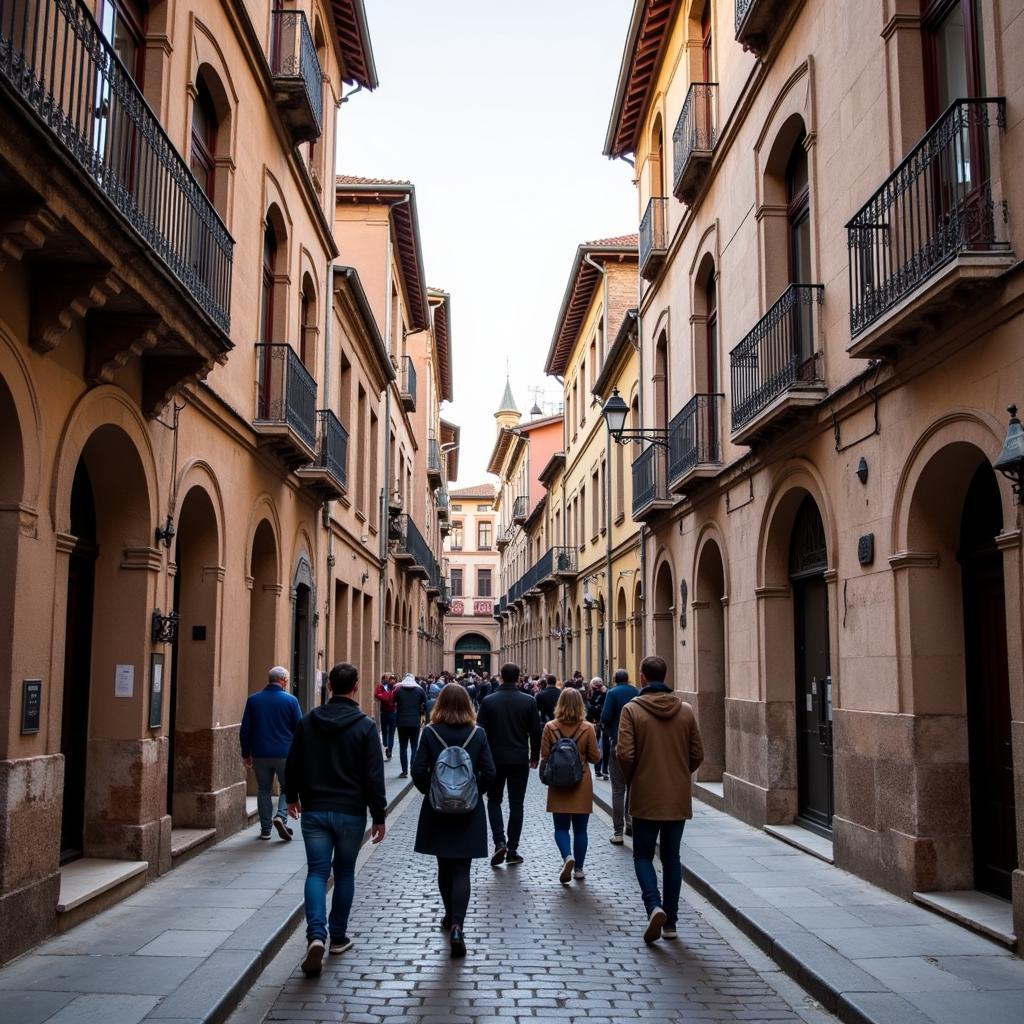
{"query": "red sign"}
(458, 608)
(483, 607)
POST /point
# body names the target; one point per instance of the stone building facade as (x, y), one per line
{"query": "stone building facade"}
(830, 335)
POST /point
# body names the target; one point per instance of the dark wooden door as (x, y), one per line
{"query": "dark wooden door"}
(300, 648)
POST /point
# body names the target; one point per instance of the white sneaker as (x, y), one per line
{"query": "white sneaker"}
(579, 875)
(616, 839)
(567, 867)
(655, 924)
(314, 961)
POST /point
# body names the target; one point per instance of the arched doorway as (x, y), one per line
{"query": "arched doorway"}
(303, 636)
(473, 654)
(263, 606)
(194, 668)
(621, 654)
(993, 816)
(12, 484)
(808, 560)
(709, 639)
(664, 627)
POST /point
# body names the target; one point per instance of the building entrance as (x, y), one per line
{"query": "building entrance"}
(473, 654)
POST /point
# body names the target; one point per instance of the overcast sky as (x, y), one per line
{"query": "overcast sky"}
(497, 114)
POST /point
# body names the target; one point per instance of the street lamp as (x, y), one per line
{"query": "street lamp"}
(1011, 459)
(615, 412)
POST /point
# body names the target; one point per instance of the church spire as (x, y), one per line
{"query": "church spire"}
(508, 414)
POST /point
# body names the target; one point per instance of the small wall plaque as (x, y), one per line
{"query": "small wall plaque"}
(198, 632)
(31, 705)
(866, 549)
(156, 690)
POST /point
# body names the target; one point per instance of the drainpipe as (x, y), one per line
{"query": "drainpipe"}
(326, 520)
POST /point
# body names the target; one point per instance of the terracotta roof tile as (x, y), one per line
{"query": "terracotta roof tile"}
(358, 179)
(477, 491)
(633, 239)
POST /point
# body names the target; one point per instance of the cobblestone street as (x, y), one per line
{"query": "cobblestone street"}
(538, 951)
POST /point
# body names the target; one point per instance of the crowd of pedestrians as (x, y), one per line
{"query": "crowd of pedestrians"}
(469, 743)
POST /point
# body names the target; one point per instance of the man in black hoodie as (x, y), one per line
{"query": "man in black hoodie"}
(334, 772)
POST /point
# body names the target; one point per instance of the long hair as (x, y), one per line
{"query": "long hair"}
(570, 709)
(453, 706)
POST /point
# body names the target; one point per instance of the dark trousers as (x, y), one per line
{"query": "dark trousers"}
(606, 752)
(516, 776)
(387, 729)
(453, 883)
(667, 836)
(408, 740)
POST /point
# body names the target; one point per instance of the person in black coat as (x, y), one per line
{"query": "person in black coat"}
(410, 705)
(454, 839)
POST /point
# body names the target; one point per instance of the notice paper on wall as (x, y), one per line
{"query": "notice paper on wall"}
(124, 681)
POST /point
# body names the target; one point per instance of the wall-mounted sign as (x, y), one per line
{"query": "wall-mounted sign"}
(31, 705)
(483, 607)
(124, 680)
(156, 690)
(458, 608)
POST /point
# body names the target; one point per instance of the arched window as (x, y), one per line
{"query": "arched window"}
(269, 272)
(202, 157)
(307, 323)
(798, 214)
(656, 161)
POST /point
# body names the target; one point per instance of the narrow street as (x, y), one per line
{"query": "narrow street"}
(538, 951)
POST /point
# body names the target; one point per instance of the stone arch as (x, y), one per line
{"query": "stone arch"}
(24, 407)
(303, 666)
(656, 159)
(199, 473)
(710, 651)
(638, 629)
(664, 614)
(263, 577)
(621, 619)
(309, 318)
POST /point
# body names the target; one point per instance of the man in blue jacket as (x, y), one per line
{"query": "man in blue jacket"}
(615, 700)
(268, 723)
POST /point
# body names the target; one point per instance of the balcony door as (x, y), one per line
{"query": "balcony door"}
(798, 216)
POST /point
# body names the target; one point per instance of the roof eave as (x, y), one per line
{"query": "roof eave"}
(625, 69)
(608, 371)
(351, 276)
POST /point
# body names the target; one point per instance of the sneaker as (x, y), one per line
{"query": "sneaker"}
(616, 839)
(387, 755)
(499, 855)
(629, 830)
(458, 942)
(282, 829)
(513, 857)
(669, 932)
(264, 835)
(403, 775)
(567, 870)
(579, 874)
(342, 945)
(655, 924)
(314, 961)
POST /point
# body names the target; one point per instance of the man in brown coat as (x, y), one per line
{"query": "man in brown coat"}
(659, 749)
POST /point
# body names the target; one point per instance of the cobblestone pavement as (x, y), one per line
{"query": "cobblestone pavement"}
(538, 951)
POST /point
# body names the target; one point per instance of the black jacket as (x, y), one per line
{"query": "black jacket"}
(410, 703)
(546, 700)
(510, 719)
(335, 762)
(452, 835)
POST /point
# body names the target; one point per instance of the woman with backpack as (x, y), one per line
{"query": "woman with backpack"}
(568, 746)
(452, 768)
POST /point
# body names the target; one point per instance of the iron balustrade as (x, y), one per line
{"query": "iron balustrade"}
(694, 435)
(654, 230)
(564, 561)
(55, 57)
(936, 205)
(649, 478)
(779, 352)
(409, 378)
(413, 543)
(742, 7)
(696, 131)
(286, 390)
(443, 501)
(293, 55)
(433, 454)
(332, 453)
(520, 508)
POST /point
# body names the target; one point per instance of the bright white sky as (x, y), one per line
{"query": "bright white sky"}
(497, 113)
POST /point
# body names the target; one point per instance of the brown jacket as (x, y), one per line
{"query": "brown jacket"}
(659, 748)
(580, 799)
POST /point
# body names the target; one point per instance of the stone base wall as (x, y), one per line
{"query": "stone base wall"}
(209, 780)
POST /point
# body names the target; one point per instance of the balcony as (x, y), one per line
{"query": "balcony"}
(503, 540)
(410, 549)
(499, 608)
(932, 238)
(327, 474)
(757, 22)
(435, 471)
(694, 141)
(103, 210)
(297, 78)
(653, 238)
(650, 487)
(407, 384)
(776, 370)
(285, 405)
(520, 509)
(443, 505)
(695, 442)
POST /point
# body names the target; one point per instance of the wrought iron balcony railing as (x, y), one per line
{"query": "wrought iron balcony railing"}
(58, 62)
(407, 384)
(520, 509)
(332, 451)
(936, 205)
(298, 79)
(653, 237)
(443, 502)
(757, 21)
(779, 353)
(286, 391)
(694, 436)
(650, 484)
(694, 140)
(434, 463)
(412, 545)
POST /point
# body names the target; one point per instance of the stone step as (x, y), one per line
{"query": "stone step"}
(187, 842)
(92, 884)
(804, 839)
(987, 915)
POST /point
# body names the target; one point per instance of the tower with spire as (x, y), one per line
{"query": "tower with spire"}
(508, 415)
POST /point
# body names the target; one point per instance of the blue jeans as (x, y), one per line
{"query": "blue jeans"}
(387, 729)
(330, 836)
(265, 768)
(578, 846)
(646, 834)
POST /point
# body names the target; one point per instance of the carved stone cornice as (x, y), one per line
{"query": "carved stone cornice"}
(914, 560)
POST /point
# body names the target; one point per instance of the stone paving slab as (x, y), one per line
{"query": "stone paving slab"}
(867, 955)
(184, 949)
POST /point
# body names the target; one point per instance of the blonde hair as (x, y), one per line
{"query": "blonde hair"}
(453, 706)
(570, 709)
